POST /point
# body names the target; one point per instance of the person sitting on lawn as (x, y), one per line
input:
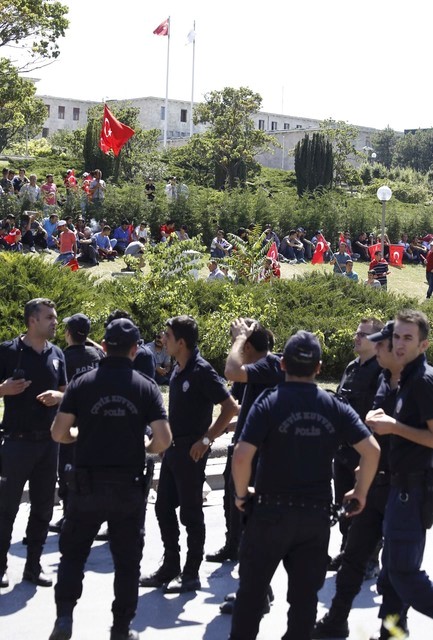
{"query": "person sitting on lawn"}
(104, 245)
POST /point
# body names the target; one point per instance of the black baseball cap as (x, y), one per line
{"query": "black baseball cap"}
(384, 334)
(78, 323)
(121, 333)
(303, 348)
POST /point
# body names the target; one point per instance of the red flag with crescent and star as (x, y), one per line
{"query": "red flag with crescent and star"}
(273, 252)
(114, 134)
(320, 250)
(396, 255)
(162, 29)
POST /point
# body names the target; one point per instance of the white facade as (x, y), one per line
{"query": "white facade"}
(67, 113)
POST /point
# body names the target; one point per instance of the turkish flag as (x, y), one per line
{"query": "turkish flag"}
(320, 250)
(373, 249)
(396, 255)
(114, 134)
(162, 29)
(273, 252)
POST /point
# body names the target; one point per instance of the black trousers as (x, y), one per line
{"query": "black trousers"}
(364, 535)
(121, 504)
(181, 484)
(35, 462)
(231, 512)
(297, 536)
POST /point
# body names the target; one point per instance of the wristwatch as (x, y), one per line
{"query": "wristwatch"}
(206, 441)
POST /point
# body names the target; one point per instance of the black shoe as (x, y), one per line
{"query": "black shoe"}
(225, 553)
(37, 577)
(62, 629)
(182, 584)
(56, 527)
(118, 635)
(102, 536)
(228, 606)
(328, 627)
(335, 563)
(4, 580)
(161, 577)
(230, 597)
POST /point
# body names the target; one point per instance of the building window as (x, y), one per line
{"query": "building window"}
(47, 106)
(299, 126)
(286, 125)
(274, 125)
(183, 115)
(45, 132)
(76, 114)
(261, 125)
(162, 113)
(61, 115)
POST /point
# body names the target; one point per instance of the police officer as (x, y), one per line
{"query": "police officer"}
(111, 406)
(296, 428)
(144, 360)
(409, 510)
(195, 388)
(365, 532)
(250, 362)
(32, 371)
(79, 357)
(358, 386)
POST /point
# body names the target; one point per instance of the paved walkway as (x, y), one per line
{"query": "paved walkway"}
(28, 612)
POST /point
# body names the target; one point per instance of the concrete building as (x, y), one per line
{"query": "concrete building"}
(67, 113)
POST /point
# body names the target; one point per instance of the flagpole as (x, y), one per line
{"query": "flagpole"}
(192, 85)
(166, 85)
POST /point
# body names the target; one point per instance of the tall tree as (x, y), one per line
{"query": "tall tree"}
(415, 150)
(232, 141)
(313, 163)
(21, 113)
(33, 27)
(384, 143)
(343, 137)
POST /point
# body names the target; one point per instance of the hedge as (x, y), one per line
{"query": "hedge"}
(329, 306)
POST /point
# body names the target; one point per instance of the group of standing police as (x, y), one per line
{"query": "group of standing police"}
(290, 438)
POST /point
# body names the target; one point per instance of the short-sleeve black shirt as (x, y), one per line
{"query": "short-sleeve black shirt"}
(81, 358)
(359, 384)
(414, 406)
(297, 428)
(112, 404)
(194, 391)
(46, 370)
(263, 374)
(144, 361)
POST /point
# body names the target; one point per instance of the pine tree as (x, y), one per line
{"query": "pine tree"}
(313, 163)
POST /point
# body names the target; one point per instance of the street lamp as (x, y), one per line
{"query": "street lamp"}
(384, 194)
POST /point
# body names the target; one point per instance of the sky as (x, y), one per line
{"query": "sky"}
(367, 63)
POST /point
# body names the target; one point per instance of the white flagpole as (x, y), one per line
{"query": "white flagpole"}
(166, 84)
(191, 124)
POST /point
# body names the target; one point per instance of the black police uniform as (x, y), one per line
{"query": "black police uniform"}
(365, 533)
(113, 404)
(144, 360)
(297, 428)
(79, 359)
(358, 386)
(261, 375)
(401, 581)
(29, 453)
(194, 390)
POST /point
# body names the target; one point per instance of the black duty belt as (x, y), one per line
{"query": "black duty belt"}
(29, 436)
(185, 441)
(290, 500)
(408, 480)
(115, 475)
